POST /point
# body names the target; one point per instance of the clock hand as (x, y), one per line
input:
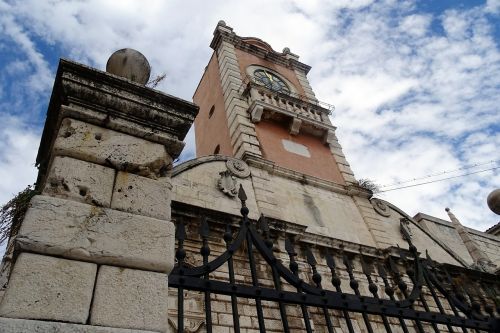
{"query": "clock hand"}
(269, 76)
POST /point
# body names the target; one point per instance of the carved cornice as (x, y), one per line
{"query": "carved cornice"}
(226, 34)
(116, 103)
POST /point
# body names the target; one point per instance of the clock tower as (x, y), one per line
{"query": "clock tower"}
(256, 104)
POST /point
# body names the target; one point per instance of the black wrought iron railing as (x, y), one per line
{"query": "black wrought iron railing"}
(407, 292)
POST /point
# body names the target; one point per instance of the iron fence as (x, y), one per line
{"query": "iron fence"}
(406, 292)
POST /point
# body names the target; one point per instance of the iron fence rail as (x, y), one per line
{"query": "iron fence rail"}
(468, 310)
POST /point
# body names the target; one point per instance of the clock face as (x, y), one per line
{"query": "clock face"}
(270, 81)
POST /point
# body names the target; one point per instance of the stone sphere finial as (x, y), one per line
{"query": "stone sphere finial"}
(447, 209)
(286, 50)
(493, 201)
(130, 64)
(222, 22)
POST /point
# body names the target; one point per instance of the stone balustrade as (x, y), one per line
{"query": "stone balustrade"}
(307, 108)
(303, 113)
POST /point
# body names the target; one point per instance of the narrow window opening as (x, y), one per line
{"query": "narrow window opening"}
(211, 112)
(216, 150)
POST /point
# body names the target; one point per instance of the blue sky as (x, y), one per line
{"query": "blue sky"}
(416, 85)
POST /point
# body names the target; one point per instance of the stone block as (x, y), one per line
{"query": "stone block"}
(239, 118)
(228, 67)
(130, 298)
(237, 102)
(341, 160)
(226, 46)
(143, 196)
(225, 54)
(79, 231)
(80, 181)
(9, 325)
(49, 288)
(111, 148)
(349, 178)
(345, 169)
(337, 152)
(228, 63)
(231, 82)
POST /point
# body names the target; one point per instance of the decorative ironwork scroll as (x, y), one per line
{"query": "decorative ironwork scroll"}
(403, 290)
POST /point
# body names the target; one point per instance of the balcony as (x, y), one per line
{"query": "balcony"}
(303, 114)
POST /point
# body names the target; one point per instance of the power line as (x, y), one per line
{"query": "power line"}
(439, 173)
(438, 180)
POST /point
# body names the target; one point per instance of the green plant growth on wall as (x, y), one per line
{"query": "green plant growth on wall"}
(12, 213)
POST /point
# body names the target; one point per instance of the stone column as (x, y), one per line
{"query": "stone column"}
(95, 248)
(481, 261)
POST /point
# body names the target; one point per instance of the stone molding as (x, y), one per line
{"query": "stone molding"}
(113, 102)
(180, 168)
(224, 33)
(274, 169)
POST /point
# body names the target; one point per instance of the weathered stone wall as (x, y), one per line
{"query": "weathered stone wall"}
(320, 208)
(489, 244)
(95, 248)
(446, 232)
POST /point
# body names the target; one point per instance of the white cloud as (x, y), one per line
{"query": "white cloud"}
(416, 25)
(18, 147)
(493, 6)
(410, 100)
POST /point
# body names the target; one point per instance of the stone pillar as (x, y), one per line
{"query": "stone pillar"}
(304, 83)
(338, 154)
(481, 261)
(241, 129)
(95, 248)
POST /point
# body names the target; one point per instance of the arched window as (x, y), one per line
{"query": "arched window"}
(211, 112)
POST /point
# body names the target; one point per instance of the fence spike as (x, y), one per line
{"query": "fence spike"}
(241, 194)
